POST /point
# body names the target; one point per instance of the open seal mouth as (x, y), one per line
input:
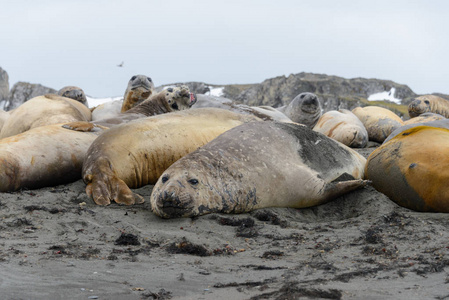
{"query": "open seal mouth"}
(192, 99)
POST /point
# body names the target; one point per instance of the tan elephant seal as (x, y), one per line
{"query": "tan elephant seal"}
(428, 103)
(75, 93)
(378, 121)
(44, 110)
(135, 154)
(443, 123)
(50, 155)
(139, 88)
(425, 117)
(343, 126)
(257, 165)
(303, 109)
(411, 169)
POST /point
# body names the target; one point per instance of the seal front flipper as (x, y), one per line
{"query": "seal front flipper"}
(84, 126)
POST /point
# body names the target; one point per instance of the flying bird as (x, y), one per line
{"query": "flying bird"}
(121, 64)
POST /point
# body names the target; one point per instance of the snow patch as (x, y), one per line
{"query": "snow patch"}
(387, 95)
(97, 101)
(217, 92)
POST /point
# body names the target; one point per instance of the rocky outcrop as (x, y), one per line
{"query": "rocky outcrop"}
(23, 91)
(4, 85)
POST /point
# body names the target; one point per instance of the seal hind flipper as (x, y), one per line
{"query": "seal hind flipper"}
(336, 188)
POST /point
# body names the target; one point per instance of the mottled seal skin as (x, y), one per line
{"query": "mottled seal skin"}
(135, 154)
(428, 103)
(43, 156)
(44, 110)
(75, 93)
(425, 117)
(303, 109)
(343, 126)
(140, 88)
(378, 121)
(256, 165)
(411, 170)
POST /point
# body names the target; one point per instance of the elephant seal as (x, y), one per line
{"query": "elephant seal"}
(343, 126)
(136, 153)
(428, 103)
(42, 156)
(257, 165)
(443, 123)
(139, 88)
(425, 117)
(303, 109)
(411, 170)
(378, 121)
(75, 93)
(44, 110)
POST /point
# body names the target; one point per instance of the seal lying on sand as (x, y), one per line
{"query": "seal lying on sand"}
(428, 103)
(140, 88)
(378, 121)
(256, 165)
(303, 109)
(51, 155)
(343, 126)
(44, 110)
(411, 170)
(135, 154)
(75, 93)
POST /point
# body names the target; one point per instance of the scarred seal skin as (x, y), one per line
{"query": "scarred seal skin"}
(411, 170)
(428, 103)
(256, 165)
(378, 121)
(135, 154)
(343, 126)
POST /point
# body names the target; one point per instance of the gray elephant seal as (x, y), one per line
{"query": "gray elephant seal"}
(428, 103)
(343, 126)
(75, 93)
(303, 109)
(135, 154)
(256, 165)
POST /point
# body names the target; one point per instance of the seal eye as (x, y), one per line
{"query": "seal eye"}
(426, 102)
(134, 77)
(193, 181)
(175, 105)
(164, 178)
(149, 79)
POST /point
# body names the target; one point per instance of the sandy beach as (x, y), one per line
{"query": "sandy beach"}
(55, 243)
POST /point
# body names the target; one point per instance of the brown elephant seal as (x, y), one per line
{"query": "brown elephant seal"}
(44, 110)
(75, 93)
(378, 121)
(257, 165)
(42, 156)
(135, 154)
(139, 88)
(303, 109)
(428, 103)
(411, 170)
(343, 126)
(425, 117)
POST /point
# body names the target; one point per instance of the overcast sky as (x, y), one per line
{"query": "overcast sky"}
(58, 43)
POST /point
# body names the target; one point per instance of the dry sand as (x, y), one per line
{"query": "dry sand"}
(360, 246)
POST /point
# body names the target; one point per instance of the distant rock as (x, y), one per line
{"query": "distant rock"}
(24, 91)
(4, 85)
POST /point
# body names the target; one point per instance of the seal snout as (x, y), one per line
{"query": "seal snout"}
(170, 205)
